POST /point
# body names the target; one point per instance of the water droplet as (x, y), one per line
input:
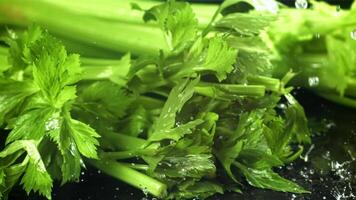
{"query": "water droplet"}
(338, 8)
(117, 188)
(353, 34)
(293, 196)
(301, 4)
(330, 125)
(326, 155)
(313, 81)
(52, 124)
(290, 166)
(269, 6)
(145, 191)
(282, 106)
(12, 34)
(317, 36)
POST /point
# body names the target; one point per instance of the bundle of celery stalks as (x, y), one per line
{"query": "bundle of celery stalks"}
(179, 100)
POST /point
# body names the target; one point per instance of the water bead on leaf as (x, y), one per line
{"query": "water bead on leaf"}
(301, 4)
(313, 81)
(52, 124)
(353, 34)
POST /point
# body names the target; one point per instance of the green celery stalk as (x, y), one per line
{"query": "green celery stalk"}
(123, 142)
(122, 11)
(350, 102)
(122, 37)
(131, 176)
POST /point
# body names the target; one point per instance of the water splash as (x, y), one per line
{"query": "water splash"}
(313, 81)
(344, 193)
(306, 157)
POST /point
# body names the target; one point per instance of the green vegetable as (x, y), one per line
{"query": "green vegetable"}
(36, 108)
(190, 91)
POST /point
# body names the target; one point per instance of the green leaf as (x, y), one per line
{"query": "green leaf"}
(106, 100)
(4, 65)
(2, 178)
(342, 63)
(35, 177)
(254, 64)
(267, 179)
(71, 164)
(213, 56)
(30, 125)
(12, 95)
(191, 165)
(12, 175)
(200, 190)
(85, 138)
(279, 135)
(175, 133)
(20, 56)
(295, 115)
(259, 159)
(73, 139)
(228, 155)
(179, 95)
(177, 20)
(69, 157)
(2, 182)
(54, 70)
(121, 70)
(245, 24)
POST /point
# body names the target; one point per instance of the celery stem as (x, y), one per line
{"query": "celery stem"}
(131, 176)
